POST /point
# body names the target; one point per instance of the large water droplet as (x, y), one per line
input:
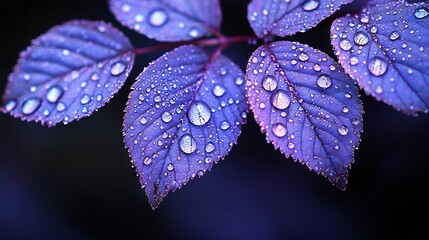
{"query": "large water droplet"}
(421, 13)
(31, 105)
(54, 93)
(377, 66)
(166, 117)
(310, 5)
(269, 83)
(117, 68)
(210, 147)
(10, 105)
(394, 35)
(199, 113)
(218, 91)
(361, 38)
(188, 144)
(158, 17)
(324, 81)
(345, 45)
(343, 130)
(280, 100)
(279, 130)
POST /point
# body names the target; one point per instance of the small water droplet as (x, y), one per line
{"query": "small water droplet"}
(170, 167)
(377, 66)
(310, 5)
(324, 81)
(279, 130)
(361, 38)
(345, 45)
(194, 33)
(31, 105)
(143, 120)
(53, 94)
(354, 60)
(239, 81)
(394, 35)
(147, 160)
(379, 89)
(158, 17)
(95, 77)
(199, 113)
(421, 13)
(210, 147)
(224, 125)
(345, 109)
(117, 68)
(355, 121)
(269, 83)
(218, 91)
(373, 29)
(85, 99)
(166, 117)
(290, 145)
(61, 107)
(280, 100)
(343, 130)
(187, 144)
(303, 56)
(10, 105)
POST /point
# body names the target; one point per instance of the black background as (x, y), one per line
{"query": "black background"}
(76, 181)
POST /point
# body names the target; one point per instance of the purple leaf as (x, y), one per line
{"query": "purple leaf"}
(184, 114)
(284, 18)
(168, 20)
(307, 106)
(386, 50)
(68, 73)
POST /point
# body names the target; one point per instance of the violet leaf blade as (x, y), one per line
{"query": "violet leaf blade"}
(168, 20)
(183, 115)
(386, 50)
(306, 106)
(285, 18)
(68, 73)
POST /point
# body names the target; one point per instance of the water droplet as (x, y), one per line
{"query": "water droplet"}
(166, 117)
(54, 93)
(303, 56)
(373, 29)
(279, 130)
(31, 105)
(66, 52)
(95, 77)
(421, 13)
(310, 5)
(345, 109)
(355, 121)
(290, 145)
(10, 105)
(147, 160)
(187, 144)
(377, 66)
(158, 17)
(224, 125)
(61, 107)
(354, 60)
(239, 81)
(85, 99)
(361, 38)
(343, 130)
(194, 33)
(218, 91)
(126, 8)
(280, 100)
(210, 147)
(143, 120)
(269, 83)
(378, 89)
(117, 68)
(394, 35)
(138, 18)
(345, 45)
(170, 167)
(199, 113)
(324, 81)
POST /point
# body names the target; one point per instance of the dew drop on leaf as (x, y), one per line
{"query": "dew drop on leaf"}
(199, 113)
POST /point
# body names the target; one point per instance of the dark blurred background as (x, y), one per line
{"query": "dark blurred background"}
(76, 181)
